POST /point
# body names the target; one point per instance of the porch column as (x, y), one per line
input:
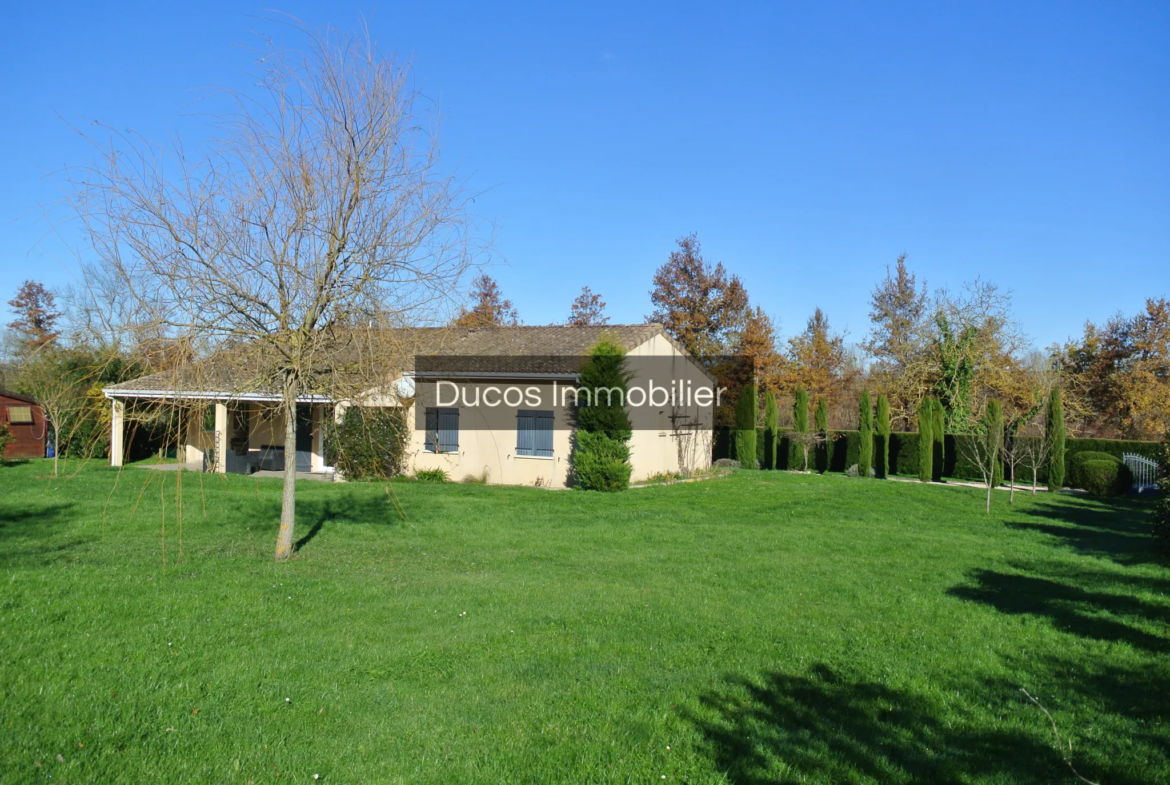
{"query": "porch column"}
(221, 437)
(117, 431)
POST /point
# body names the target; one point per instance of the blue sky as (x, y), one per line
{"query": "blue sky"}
(807, 144)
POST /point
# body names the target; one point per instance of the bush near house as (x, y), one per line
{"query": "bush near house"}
(6, 438)
(368, 443)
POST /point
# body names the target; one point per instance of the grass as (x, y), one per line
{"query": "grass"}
(761, 627)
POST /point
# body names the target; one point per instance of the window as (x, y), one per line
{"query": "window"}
(442, 430)
(20, 415)
(534, 433)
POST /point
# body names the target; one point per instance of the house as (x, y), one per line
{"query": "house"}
(26, 421)
(494, 404)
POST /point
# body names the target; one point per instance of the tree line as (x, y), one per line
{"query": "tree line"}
(960, 348)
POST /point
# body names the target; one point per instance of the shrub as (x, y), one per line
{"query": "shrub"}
(821, 422)
(1161, 519)
(882, 440)
(745, 427)
(6, 438)
(1054, 432)
(771, 430)
(1079, 477)
(993, 440)
(925, 439)
(601, 463)
(431, 475)
(865, 429)
(601, 459)
(938, 434)
(1105, 478)
(368, 442)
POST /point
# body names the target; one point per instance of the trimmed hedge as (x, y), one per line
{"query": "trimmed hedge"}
(843, 448)
(1099, 473)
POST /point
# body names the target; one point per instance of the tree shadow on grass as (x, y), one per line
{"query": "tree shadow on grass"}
(32, 530)
(1116, 529)
(1088, 614)
(827, 728)
(352, 508)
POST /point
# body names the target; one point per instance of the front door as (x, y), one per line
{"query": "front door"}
(304, 437)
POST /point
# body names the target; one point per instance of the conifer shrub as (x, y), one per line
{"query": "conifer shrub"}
(925, 440)
(601, 455)
(865, 431)
(882, 438)
(745, 427)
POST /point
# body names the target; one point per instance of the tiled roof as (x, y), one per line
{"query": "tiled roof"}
(473, 350)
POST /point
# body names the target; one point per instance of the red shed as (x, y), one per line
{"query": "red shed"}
(26, 420)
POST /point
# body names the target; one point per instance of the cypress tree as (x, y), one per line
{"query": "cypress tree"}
(745, 427)
(771, 430)
(821, 421)
(993, 422)
(800, 425)
(925, 439)
(1055, 433)
(865, 427)
(601, 459)
(938, 432)
(882, 442)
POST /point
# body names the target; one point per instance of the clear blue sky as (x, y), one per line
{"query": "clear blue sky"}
(807, 144)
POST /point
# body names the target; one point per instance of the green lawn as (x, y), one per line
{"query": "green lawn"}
(764, 627)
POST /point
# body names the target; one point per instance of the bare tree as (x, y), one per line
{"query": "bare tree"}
(806, 440)
(319, 211)
(985, 449)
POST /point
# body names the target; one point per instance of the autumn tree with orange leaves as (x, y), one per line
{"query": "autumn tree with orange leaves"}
(587, 310)
(489, 307)
(700, 306)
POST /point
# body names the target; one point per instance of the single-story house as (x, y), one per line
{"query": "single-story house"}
(495, 404)
(25, 420)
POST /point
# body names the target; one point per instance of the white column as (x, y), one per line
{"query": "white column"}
(221, 437)
(117, 431)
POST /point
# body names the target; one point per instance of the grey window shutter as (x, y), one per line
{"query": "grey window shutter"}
(449, 430)
(544, 434)
(524, 435)
(432, 430)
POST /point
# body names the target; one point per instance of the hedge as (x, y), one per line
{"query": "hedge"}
(844, 448)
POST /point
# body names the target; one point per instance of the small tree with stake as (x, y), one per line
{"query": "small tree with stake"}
(865, 427)
(803, 441)
(925, 439)
(985, 449)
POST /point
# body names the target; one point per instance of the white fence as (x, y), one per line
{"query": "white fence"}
(1145, 471)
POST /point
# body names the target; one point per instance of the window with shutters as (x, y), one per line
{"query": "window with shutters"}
(20, 415)
(442, 430)
(534, 433)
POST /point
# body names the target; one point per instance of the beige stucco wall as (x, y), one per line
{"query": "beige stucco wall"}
(490, 448)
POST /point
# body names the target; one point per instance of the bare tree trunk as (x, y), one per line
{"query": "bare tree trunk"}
(56, 448)
(1033, 480)
(288, 501)
(989, 484)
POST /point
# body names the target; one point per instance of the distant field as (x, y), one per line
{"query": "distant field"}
(764, 627)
